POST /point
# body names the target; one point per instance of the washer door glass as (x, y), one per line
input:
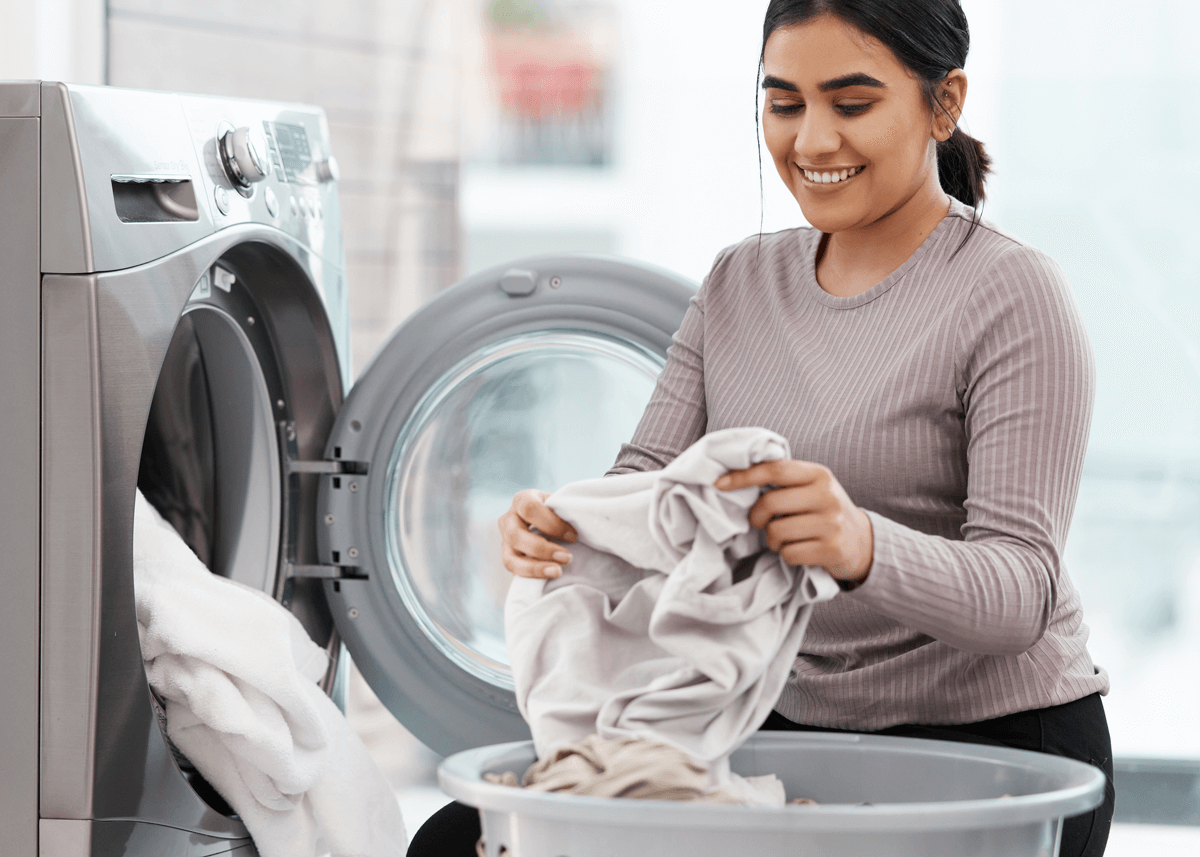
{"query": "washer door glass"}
(481, 394)
(536, 410)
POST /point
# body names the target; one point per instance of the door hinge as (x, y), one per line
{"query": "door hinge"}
(326, 466)
(324, 572)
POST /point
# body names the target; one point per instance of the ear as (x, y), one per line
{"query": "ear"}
(951, 93)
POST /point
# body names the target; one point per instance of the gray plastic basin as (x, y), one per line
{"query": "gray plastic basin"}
(926, 799)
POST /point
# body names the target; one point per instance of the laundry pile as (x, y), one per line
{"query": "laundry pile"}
(618, 767)
(239, 678)
(673, 624)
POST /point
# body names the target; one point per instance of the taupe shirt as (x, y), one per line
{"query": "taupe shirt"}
(952, 401)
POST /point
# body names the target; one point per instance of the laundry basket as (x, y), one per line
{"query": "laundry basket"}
(876, 796)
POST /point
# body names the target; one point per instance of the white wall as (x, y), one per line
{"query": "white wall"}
(52, 40)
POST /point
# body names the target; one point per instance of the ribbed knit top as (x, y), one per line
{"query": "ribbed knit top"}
(952, 401)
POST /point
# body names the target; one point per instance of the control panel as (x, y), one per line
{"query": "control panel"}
(268, 165)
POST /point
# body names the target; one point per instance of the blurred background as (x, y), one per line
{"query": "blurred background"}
(474, 132)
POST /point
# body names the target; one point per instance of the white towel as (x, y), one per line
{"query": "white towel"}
(649, 633)
(238, 673)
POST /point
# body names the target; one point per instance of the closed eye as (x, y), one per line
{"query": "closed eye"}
(844, 109)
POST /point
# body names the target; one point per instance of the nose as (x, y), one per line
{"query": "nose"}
(817, 135)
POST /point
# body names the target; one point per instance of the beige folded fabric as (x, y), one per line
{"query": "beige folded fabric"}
(619, 767)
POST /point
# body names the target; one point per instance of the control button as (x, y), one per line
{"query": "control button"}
(244, 155)
(221, 198)
(327, 170)
(518, 283)
(294, 206)
(272, 202)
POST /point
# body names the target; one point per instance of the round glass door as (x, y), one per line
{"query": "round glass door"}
(529, 377)
(520, 413)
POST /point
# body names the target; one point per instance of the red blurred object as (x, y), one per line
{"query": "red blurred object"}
(545, 74)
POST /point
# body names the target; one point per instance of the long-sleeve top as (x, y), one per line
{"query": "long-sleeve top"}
(952, 401)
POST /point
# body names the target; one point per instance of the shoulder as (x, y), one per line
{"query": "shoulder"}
(1003, 272)
(991, 253)
(1018, 300)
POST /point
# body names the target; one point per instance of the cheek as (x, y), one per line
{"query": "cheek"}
(884, 138)
(776, 139)
(779, 142)
(896, 141)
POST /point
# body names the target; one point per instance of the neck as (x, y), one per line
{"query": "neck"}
(853, 260)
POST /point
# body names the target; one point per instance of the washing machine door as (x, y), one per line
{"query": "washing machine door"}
(528, 376)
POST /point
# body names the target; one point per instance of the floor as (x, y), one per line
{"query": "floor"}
(412, 770)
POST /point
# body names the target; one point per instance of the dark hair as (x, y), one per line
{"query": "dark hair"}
(930, 38)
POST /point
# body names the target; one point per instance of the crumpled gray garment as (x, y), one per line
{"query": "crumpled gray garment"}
(673, 622)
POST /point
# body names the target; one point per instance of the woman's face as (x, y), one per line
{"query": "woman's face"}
(839, 103)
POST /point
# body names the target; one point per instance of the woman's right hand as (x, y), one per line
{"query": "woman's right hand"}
(526, 553)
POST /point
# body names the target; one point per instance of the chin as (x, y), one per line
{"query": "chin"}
(822, 218)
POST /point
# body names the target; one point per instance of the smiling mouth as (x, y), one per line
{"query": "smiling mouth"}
(829, 177)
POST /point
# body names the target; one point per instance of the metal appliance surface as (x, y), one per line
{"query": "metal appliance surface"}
(173, 319)
(125, 234)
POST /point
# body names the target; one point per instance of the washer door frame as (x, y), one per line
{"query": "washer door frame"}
(446, 707)
(104, 337)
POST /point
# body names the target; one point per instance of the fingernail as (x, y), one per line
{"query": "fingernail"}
(562, 556)
(722, 482)
(571, 536)
(552, 571)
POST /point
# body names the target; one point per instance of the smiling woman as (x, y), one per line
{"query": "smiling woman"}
(935, 383)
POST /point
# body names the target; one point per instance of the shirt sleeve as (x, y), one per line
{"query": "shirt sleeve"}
(1026, 380)
(677, 414)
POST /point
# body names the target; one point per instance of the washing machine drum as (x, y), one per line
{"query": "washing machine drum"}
(529, 377)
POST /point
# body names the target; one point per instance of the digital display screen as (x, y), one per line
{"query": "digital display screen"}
(289, 149)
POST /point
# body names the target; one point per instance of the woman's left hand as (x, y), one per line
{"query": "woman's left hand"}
(807, 516)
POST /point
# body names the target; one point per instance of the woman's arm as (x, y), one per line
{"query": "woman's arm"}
(676, 416)
(1027, 384)
(1026, 381)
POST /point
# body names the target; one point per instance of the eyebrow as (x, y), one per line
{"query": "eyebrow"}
(843, 82)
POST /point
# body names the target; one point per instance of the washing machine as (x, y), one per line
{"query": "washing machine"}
(173, 318)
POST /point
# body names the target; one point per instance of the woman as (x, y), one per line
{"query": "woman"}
(935, 382)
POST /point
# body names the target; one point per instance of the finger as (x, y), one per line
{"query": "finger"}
(808, 552)
(829, 553)
(535, 547)
(787, 501)
(793, 528)
(818, 553)
(534, 512)
(523, 567)
(782, 472)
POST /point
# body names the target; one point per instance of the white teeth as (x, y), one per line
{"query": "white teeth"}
(831, 178)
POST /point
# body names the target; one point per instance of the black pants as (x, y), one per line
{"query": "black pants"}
(1077, 730)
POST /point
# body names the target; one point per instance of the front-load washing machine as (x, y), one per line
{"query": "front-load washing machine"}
(173, 318)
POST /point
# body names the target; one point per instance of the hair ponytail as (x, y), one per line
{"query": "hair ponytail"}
(963, 165)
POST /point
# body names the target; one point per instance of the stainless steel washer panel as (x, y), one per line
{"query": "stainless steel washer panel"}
(91, 134)
(102, 754)
(75, 838)
(19, 378)
(20, 98)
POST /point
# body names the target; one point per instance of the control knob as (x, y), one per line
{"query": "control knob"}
(327, 170)
(244, 154)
